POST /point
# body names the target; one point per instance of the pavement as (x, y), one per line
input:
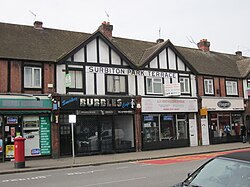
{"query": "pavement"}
(40, 164)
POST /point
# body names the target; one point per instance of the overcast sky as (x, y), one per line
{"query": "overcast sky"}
(225, 23)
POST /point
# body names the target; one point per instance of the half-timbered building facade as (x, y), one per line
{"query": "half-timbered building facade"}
(127, 95)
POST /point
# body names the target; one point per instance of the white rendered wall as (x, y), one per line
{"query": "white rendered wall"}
(91, 52)
(141, 86)
(131, 85)
(181, 65)
(100, 84)
(79, 56)
(90, 84)
(104, 52)
(116, 60)
(60, 79)
(163, 59)
(153, 63)
(172, 61)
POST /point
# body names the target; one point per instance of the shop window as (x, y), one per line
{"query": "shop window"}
(32, 77)
(185, 87)
(167, 128)
(208, 86)
(231, 88)
(154, 85)
(76, 79)
(124, 133)
(86, 134)
(116, 84)
(150, 128)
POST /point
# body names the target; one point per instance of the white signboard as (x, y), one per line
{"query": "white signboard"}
(173, 89)
(223, 104)
(72, 118)
(123, 71)
(169, 105)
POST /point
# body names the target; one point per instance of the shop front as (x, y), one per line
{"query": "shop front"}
(103, 124)
(224, 119)
(27, 116)
(168, 123)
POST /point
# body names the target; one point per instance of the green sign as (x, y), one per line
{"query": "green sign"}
(45, 140)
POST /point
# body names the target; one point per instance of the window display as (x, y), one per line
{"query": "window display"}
(168, 127)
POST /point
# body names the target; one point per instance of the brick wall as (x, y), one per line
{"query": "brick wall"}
(15, 77)
(14, 68)
(3, 76)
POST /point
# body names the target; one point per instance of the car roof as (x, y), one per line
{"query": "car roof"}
(239, 155)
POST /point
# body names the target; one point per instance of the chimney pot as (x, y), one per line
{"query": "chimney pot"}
(106, 29)
(204, 45)
(239, 53)
(160, 40)
(38, 25)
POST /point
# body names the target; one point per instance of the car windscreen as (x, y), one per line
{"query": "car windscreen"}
(221, 172)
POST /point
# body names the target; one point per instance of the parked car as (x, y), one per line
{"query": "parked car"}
(230, 170)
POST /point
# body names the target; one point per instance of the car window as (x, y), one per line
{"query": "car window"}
(221, 172)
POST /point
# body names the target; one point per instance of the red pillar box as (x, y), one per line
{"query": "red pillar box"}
(19, 152)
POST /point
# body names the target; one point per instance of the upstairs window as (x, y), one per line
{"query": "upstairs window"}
(185, 86)
(76, 79)
(154, 85)
(208, 86)
(116, 84)
(231, 88)
(32, 77)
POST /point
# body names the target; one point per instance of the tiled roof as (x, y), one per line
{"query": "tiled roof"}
(211, 63)
(244, 66)
(28, 43)
(133, 49)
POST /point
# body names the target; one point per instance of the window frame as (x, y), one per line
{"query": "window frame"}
(153, 79)
(206, 89)
(32, 79)
(235, 83)
(125, 92)
(185, 92)
(75, 81)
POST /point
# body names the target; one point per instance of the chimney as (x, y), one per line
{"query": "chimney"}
(204, 45)
(238, 53)
(38, 25)
(159, 40)
(106, 29)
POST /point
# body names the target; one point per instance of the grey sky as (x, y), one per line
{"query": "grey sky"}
(225, 23)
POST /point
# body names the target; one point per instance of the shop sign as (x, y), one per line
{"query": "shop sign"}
(223, 104)
(169, 105)
(35, 151)
(167, 118)
(228, 104)
(45, 140)
(12, 120)
(148, 118)
(78, 103)
(123, 71)
(101, 102)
